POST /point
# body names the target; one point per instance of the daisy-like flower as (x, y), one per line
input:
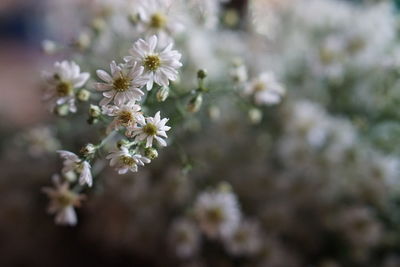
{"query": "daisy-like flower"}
(265, 89)
(217, 213)
(184, 237)
(124, 161)
(149, 129)
(160, 65)
(123, 85)
(125, 115)
(62, 202)
(158, 17)
(72, 163)
(62, 82)
(246, 240)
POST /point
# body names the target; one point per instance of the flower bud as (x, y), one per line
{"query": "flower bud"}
(255, 115)
(195, 103)
(151, 153)
(49, 47)
(202, 74)
(214, 113)
(88, 150)
(94, 111)
(83, 95)
(162, 94)
(123, 143)
(224, 187)
(98, 25)
(62, 110)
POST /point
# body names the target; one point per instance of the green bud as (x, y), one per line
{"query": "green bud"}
(195, 103)
(151, 153)
(83, 95)
(98, 25)
(255, 115)
(94, 111)
(62, 110)
(123, 143)
(162, 94)
(202, 74)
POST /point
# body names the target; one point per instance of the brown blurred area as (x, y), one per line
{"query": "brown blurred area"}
(21, 58)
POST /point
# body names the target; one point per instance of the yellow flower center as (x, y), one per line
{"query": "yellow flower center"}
(125, 117)
(258, 87)
(215, 215)
(66, 198)
(158, 21)
(152, 62)
(121, 84)
(150, 129)
(126, 160)
(64, 89)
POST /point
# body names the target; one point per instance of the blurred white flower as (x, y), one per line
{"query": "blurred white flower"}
(126, 115)
(160, 17)
(149, 129)
(217, 213)
(265, 89)
(124, 161)
(62, 202)
(246, 240)
(122, 85)
(72, 163)
(62, 82)
(184, 236)
(160, 65)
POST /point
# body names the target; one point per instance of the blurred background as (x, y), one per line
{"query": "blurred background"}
(319, 205)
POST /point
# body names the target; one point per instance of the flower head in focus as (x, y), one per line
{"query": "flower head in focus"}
(125, 115)
(62, 82)
(123, 85)
(149, 129)
(217, 213)
(160, 65)
(72, 163)
(265, 89)
(62, 202)
(123, 160)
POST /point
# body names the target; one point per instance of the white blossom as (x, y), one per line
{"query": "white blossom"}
(265, 89)
(72, 163)
(124, 161)
(62, 82)
(160, 64)
(150, 128)
(217, 213)
(125, 115)
(123, 85)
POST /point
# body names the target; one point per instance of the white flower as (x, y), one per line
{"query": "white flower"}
(184, 237)
(62, 82)
(149, 129)
(217, 213)
(125, 115)
(246, 240)
(160, 65)
(72, 163)
(265, 89)
(124, 161)
(123, 85)
(62, 202)
(158, 17)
